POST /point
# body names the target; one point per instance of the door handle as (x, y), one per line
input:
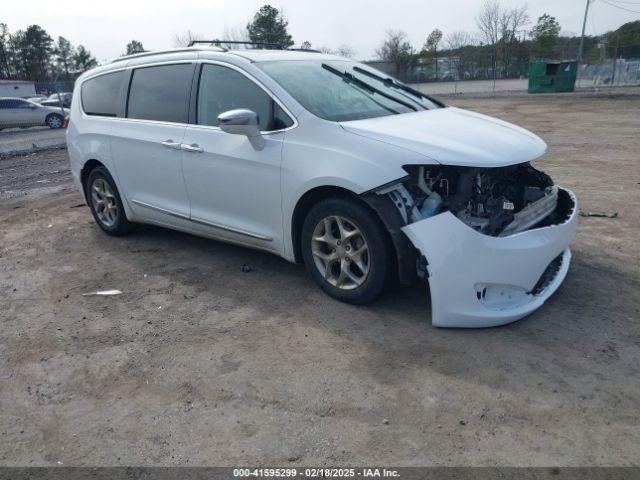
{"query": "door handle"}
(193, 148)
(171, 144)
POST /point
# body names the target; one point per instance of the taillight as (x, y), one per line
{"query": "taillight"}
(65, 124)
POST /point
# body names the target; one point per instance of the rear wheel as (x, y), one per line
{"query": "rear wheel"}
(105, 203)
(346, 250)
(54, 120)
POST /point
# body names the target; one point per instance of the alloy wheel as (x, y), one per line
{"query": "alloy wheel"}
(104, 202)
(340, 252)
(55, 121)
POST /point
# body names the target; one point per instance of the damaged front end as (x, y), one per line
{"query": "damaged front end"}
(493, 242)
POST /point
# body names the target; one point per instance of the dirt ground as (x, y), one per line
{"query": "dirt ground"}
(201, 363)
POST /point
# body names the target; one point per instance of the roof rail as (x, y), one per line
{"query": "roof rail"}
(310, 50)
(160, 52)
(219, 43)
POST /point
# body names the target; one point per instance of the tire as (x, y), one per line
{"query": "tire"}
(104, 201)
(54, 120)
(344, 277)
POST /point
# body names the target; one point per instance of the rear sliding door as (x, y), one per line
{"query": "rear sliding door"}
(146, 143)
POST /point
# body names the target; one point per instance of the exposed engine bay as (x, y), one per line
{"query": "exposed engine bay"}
(494, 201)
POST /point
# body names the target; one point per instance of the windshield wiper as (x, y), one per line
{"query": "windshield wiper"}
(390, 82)
(361, 83)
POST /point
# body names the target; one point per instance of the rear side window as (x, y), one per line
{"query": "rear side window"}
(100, 95)
(222, 89)
(160, 93)
(9, 103)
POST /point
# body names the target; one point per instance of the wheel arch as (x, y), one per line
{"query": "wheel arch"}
(305, 204)
(86, 169)
(381, 206)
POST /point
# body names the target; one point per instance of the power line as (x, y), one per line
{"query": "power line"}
(624, 1)
(621, 8)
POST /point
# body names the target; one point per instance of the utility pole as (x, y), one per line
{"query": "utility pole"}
(584, 25)
(615, 55)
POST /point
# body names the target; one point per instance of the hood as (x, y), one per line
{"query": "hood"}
(452, 136)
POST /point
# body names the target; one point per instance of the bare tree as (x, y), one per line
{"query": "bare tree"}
(185, 38)
(511, 21)
(345, 51)
(342, 51)
(458, 39)
(488, 22)
(397, 50)
(238, 33)
(457, 42)
(499, 27)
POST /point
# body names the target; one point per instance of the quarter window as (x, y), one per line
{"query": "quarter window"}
(222, 89)
(160, 93)
(100, 95)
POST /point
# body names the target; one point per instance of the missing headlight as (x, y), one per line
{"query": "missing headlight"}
(494, 201)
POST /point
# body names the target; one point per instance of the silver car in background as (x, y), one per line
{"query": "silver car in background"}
(18, 112)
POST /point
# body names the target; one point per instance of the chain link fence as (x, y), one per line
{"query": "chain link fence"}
(622, 72)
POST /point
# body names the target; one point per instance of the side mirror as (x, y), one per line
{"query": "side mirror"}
(242, 122)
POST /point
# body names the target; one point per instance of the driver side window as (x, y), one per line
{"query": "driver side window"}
(222, 89)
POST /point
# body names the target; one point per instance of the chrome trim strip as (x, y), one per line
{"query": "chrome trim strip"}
(203, 222)
(161, 210)
(231, 229)
(197, 61)
(100, 74)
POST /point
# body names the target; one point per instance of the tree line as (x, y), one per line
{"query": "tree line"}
(32, 54)
(502, 46)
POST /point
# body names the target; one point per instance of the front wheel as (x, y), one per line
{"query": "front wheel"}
(54, 121)
(347, 250)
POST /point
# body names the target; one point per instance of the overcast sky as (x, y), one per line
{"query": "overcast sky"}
(105, 27)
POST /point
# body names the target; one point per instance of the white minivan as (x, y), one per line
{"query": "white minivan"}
(328, 162)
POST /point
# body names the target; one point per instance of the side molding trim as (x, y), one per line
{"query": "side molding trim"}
(203, 222)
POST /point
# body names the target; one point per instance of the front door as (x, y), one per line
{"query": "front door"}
(146, 145)
(25, 114)
(234, 188)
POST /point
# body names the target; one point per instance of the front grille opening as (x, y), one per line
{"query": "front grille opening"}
(547, 276)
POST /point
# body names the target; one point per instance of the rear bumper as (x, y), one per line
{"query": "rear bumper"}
(482, 281)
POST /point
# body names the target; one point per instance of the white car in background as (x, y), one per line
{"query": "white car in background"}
(18, 112)
(325, 161)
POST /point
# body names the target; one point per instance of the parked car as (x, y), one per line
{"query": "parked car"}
(38, 98)
(54, 103)
(55, 99)
(17, 112)
(328, 162)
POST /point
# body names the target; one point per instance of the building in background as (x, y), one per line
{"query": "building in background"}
(17, 88)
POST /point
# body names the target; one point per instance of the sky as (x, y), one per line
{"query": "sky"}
(105, 27)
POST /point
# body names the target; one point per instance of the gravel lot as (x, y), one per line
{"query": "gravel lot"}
(199, 363)
(15, 140)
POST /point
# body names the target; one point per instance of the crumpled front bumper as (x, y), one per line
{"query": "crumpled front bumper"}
(481, 281)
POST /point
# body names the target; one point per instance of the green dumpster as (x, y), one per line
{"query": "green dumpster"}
(550, 77)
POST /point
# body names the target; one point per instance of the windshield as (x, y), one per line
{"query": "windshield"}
(343, 90)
